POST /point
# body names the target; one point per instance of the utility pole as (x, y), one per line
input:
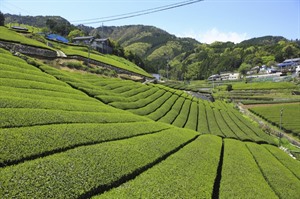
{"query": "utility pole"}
(167, 69)
(281, 113)
(89, 52)
(280, 133)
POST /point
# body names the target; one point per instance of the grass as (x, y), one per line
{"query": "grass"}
(106, 59)
(12, 36)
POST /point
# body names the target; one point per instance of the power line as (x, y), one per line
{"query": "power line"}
(137, 13)
(9, 5)
(131, 13)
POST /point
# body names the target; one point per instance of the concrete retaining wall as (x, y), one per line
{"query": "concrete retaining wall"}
(28, 50)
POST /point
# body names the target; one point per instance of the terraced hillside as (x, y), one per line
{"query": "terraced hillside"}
(74, 135)
(167, 105)
(39, 42)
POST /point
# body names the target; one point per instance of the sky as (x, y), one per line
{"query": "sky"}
(206, 21)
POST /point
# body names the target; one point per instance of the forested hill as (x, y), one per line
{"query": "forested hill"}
(183, 58)
(188, 59)
(153, 45)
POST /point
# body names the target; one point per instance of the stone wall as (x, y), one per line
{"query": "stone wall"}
(91, 61)
(46, 53)
(28, 50)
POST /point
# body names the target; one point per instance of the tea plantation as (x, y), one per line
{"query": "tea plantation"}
(79, 135)
(290, 116)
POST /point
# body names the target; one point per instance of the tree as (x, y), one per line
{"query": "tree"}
(75, 33)
(2, 19)
(244, 68)
(51, 24)
(59, 27)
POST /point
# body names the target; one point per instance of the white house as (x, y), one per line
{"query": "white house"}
(234, 76)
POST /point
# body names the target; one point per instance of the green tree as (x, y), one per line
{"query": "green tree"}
(2, 19)
(290, 51)
(75, 33)
(59, 27)
(244, 68)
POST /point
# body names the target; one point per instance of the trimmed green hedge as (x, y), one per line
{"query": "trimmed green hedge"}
(284, 183)
(183, 175)
(23, 143)
(76, 172)
(241, 177)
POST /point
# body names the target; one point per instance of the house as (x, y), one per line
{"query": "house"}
(102, 45)
(19, 28)
(234, 76)
(214, 77)
(224, 76)
(83, 40)
(156, 76)
(289, 63)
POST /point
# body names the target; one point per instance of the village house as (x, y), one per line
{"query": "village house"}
(102, 45)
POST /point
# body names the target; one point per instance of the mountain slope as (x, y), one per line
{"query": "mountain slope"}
(186, 58)
(153, 45)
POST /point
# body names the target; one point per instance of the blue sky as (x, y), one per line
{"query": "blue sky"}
(207, 21)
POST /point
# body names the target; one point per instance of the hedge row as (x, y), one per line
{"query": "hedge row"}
(202, 119)
(32, 77)
(252, 129)
(290, 117)
(241, 177)
(42, 103)
(164, 109)
(56, 96)
(192, 121)
(88, 170)
(18, 117)
(222, 123)
(150, 100)
(19, 83)
(291, 164)
(23, 143)
(153, 106)
(183, 115)
(213, 125)
(183, 175)
(172, 114)
(240, 134)
(284, 183)
(245, 128)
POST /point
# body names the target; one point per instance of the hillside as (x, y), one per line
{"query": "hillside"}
(186, 58)
(37, 21)
(190, 60)
(80, 135)
(36, 45)
(153, 45)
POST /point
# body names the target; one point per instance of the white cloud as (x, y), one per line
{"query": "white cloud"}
(214, 34)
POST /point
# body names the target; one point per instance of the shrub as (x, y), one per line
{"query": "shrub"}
(74, 64)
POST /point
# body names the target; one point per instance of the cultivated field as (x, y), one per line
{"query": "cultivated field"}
(8, 35)
(290, 116)
(75, 135)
